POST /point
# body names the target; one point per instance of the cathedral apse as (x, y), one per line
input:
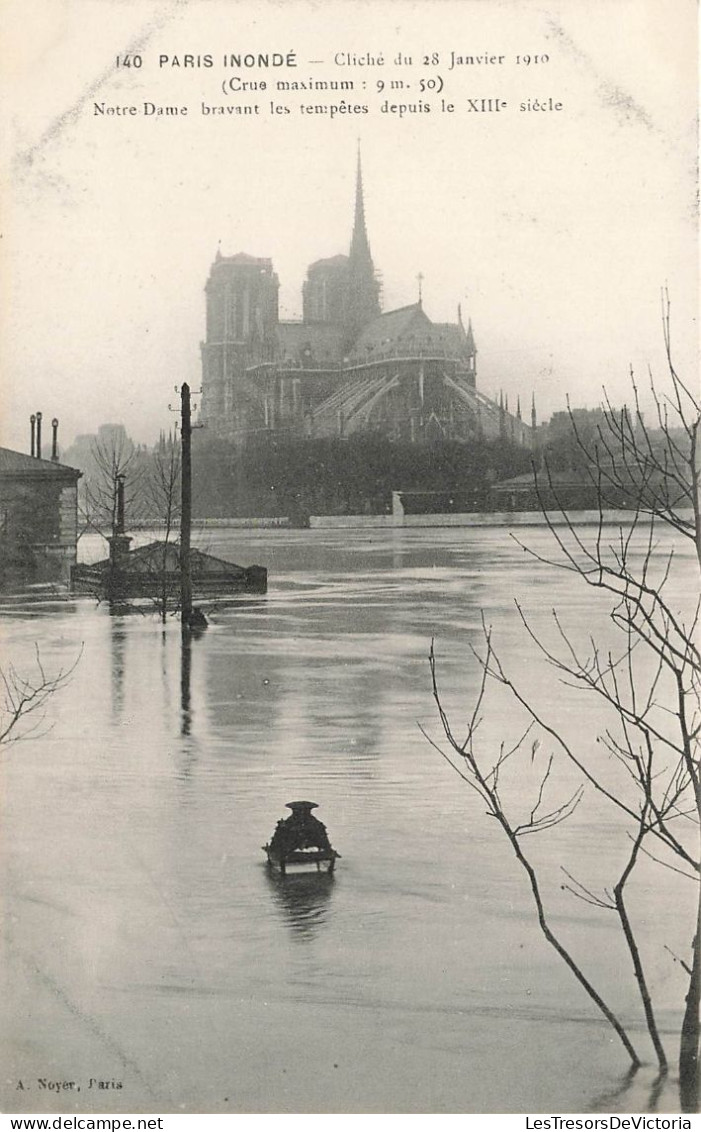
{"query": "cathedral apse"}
(347, 366)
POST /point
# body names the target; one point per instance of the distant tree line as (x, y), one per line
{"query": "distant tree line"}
(297, 477)
(302, 477)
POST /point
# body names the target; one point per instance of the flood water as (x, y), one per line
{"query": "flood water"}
(146, 943)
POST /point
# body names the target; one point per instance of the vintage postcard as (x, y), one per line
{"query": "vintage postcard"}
(349, 748)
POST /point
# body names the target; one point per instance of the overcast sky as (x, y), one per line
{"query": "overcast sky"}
(554, 230)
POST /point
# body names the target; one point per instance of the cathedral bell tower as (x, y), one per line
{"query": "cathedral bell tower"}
(242, 320)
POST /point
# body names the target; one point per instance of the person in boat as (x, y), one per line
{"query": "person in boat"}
(301, 830)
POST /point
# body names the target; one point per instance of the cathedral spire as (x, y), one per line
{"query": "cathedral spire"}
(359, 240)
(363, 303)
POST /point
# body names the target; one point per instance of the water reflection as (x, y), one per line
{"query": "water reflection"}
(639, 1093)
(185, 682)
(656, 1092)
(303, 899)
(118, 645)
(171, 654)
(421, 957)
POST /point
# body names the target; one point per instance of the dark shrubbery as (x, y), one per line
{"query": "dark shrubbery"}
(302, 477)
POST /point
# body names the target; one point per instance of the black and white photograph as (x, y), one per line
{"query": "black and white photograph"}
(350, 549)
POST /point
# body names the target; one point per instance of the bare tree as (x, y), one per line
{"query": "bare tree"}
(112, 458)
(161, 486)
(649, 687)
(24, 698)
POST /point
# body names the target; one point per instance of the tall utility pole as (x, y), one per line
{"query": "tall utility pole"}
(186, 505)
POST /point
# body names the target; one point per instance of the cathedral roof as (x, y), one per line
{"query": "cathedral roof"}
(319, 341)
(410, 328)
(452, 335)
(403, 323)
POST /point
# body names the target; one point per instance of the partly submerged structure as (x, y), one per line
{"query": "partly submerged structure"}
(300, 840)
(153, 572)
(347, 366)
(38, 515)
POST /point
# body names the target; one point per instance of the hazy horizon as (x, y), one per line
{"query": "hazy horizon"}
(554, 232)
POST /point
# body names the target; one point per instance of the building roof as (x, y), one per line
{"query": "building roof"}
(155, 557)
(411, 328)
(391, 326)
(452, 335)
(319, 341)
(20, 465)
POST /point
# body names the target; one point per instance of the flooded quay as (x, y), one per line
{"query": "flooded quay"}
(153, 963)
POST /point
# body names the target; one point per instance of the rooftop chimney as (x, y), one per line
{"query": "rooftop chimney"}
(54, 442)
(38, 451)
(33, 423)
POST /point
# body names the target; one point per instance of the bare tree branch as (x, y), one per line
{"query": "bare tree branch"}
(649, 687)
(23, 698)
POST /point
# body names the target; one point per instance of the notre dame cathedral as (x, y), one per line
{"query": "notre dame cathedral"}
(347, 366)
